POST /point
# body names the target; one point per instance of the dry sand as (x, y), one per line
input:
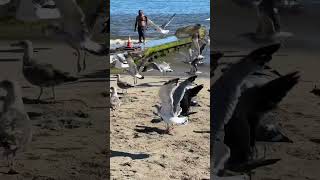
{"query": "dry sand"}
(69, 136)
(139, 147)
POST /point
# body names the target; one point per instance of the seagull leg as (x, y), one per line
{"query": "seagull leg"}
(84, 60)
(11, 165)
(78, 60)
(167, 128)
(41, 90)
(53, 93)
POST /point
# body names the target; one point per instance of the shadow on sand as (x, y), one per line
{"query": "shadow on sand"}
(148, 130)
(131, 155)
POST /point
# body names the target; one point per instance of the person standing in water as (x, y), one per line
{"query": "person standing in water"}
(142, 24)
(269, 8)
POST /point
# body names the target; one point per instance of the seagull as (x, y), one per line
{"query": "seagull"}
(224, 98)
(76, 29)
(166, 111)
(186, 101)
(163, 67)
(41, 74)
(188, 57)
(253, 103)
(194, 66)
(179, 92)
(133, 70)
(114, 99)
(195, 40)
(16, 127)
(123, 85)
(119, 61)
(161, 29)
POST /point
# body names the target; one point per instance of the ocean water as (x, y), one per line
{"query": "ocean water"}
(124, 12)
(188, 12)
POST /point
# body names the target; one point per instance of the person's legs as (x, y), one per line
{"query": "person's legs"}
(140, 34)
(143, 34)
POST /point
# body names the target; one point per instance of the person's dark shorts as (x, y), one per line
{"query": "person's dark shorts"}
(141, 31)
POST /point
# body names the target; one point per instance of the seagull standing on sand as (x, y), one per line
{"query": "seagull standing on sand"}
(123, 85)
(114, 99)
(166, 111)
(41, 74)
(15, 125)
(76, 28)
(225, 96)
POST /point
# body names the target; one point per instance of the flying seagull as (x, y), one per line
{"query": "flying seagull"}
(194, 66)
(16, 127)
(161, 29)
(179, 92)
(41, 74)
(166, 111)
(162, 67)
(254, 102)
(133, 70)
(225, 96)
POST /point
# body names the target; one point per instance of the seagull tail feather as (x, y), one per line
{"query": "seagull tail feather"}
(180, 120)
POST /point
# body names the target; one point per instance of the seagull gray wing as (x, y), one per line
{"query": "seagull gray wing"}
(226, 90)
(179, 93)
(166, 98)
(240, 132)
(168, 22)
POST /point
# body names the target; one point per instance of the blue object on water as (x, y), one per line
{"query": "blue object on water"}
(157, 42)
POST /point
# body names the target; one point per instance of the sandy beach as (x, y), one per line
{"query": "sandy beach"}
(69, 135)
(139, 147)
